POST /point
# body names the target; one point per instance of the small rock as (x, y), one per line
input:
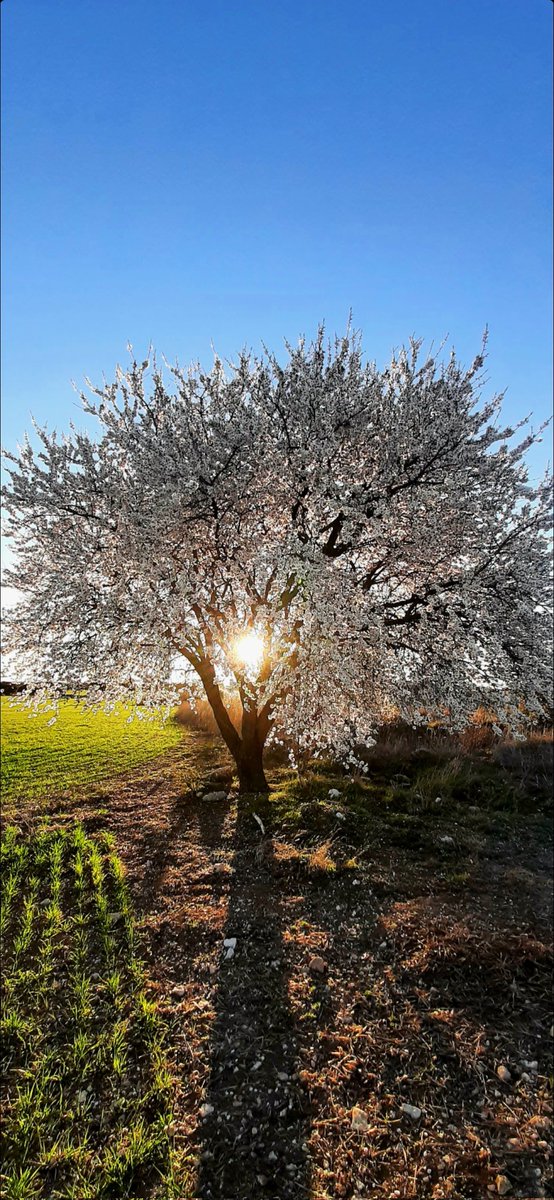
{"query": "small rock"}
(282, 1075)
(272, 1157)
(178, 990)
(317, 965)
(334, 793)
(359, 1119)
(206, 1110)
(340, 816)
(261, 1180)
(412, 1111)
(214, 796)
(438, 799)
(230, 951)
(230, 943)
(504, 1074)
(503, 1185)
(524, 1077)
(531, 1066)
(446, 840)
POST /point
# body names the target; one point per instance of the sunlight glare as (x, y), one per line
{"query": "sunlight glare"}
(249, 650)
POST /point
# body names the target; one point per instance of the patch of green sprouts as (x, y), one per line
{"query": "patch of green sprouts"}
(86, 1090)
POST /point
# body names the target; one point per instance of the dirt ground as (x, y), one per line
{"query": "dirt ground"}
(381, 1028)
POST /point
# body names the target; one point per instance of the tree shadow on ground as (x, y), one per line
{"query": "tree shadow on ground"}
(252, 1139)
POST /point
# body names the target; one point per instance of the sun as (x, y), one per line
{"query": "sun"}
(249, 650)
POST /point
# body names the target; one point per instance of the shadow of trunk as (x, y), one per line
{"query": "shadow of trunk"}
(256, 1120)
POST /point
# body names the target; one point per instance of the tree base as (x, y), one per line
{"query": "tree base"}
(251, 779)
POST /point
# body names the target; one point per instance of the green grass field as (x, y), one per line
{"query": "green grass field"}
(80, 747)
(86, 1089)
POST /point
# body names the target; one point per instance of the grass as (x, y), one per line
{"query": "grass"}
(422, 884)
(86, 1089)
(409, 804)
(80, 747)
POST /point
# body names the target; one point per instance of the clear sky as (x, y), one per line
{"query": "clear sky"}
(233, 171)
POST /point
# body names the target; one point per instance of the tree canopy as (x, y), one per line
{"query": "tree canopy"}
(328, 541)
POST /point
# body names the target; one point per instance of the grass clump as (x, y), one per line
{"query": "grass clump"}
(80, 747)
(86, 1093)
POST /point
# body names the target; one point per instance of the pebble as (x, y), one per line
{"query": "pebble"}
(446, 840)
(230, 943)
(503, 1073)
(214, 796)
(334, 793)
(531, 1066)
(318, 965)
(359, 1119)
(178, 990)
(503, 1185)
(411, 1110)
(206, 1110)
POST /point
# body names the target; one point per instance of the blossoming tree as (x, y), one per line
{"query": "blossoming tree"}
(326, 541)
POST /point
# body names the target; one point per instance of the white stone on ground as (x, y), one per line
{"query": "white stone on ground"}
(412, 1111)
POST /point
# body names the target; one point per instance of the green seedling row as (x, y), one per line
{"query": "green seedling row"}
(86, 1092)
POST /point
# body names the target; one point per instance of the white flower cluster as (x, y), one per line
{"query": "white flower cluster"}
(376, 529)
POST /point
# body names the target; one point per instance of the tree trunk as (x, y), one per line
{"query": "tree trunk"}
(249, 760)
(247, 748)
(250, 767)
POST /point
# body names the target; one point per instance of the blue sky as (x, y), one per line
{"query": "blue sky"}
(234, 171)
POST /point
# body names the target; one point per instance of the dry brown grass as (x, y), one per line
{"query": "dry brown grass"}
(320, 860)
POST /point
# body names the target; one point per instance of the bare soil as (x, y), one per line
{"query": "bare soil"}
(431, 979)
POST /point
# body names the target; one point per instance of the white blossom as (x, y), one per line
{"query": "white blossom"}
(376, 531)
